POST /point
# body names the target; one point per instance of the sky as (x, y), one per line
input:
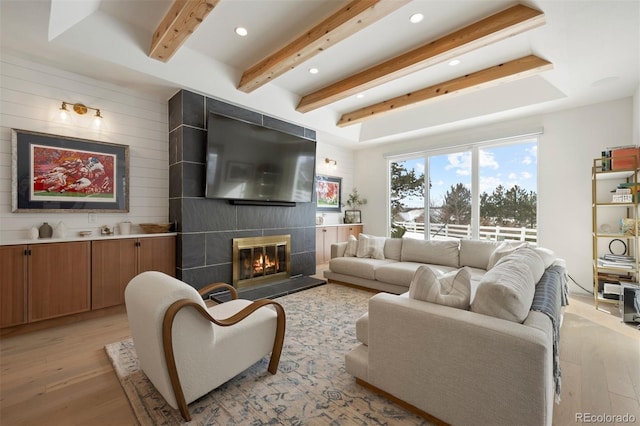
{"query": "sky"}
(505, 165)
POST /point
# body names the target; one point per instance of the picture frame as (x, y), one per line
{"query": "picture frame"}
(52, 173)
(328, 193)
(352, 216)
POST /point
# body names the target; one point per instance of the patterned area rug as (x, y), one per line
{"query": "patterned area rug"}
(310, 388)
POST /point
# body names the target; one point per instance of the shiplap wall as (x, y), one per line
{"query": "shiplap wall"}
(30, 98)
(344, 170)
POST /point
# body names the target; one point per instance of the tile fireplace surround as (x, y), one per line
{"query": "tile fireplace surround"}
(207, 227)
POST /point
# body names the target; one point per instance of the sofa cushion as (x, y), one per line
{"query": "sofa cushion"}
(352, 247)
(506, 290)
(393, 248)
(370, 246)
(476, 253)
(401, 273)
(451, 289)
(504, 249)
(357, 267)
(437, 252)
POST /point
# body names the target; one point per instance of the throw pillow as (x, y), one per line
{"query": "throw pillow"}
(352, 247)
(548, 256)
(370, 246)
(504, 249)
(506, 290)
(451, 289)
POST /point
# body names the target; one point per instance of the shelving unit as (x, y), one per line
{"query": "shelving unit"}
(609, 237)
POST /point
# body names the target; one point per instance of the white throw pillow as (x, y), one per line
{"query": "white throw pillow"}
(548, 256)
(370, 246)
(352, 247)
(451, 289)
(504, 249)
(506, 290)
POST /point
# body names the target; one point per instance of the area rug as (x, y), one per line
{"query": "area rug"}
(310, 388)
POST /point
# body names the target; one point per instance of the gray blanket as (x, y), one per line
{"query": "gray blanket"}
(550, 296)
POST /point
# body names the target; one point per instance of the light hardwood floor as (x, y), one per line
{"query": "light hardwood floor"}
(62, 376)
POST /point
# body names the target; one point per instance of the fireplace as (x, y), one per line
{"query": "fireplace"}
(259, 260)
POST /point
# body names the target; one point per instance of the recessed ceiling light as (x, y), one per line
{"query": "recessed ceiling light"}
(416, 17)
(241, 31)
(313, 70)
(454, 62)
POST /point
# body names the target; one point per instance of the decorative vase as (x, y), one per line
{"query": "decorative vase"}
(60, 231)
(34, 233)
(45, 231)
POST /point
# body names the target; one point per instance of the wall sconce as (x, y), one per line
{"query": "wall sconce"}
(331, 162)
(80, 109)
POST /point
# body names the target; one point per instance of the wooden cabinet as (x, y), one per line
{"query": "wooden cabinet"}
(327, 235)
(13, 285)
(48, 280)
(59, 277)
(345, 231)
(115, 262)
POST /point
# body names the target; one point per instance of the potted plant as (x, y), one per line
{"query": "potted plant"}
(354, 201)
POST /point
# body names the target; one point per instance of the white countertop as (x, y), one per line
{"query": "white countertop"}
(93, 237)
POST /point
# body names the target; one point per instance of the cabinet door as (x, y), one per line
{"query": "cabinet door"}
(113, 265)
(13, 285)
(345, 231)
(320, 245)
(325, 236)
(157, 254)
(59, 279)
(355, 230)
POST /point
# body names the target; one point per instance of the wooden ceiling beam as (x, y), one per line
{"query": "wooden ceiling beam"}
(353, 17)
(178, 24)
(489, 77)
(509, 22)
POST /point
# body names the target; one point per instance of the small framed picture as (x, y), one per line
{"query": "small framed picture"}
(352, 216)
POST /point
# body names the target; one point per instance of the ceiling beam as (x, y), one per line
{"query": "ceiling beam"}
(489, 77)
(350, 19)
(178, 24)
(509, 22)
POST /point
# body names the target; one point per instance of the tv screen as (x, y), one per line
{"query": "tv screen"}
(246, 161)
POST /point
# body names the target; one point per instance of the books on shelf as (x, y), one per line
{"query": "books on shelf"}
(617, 261)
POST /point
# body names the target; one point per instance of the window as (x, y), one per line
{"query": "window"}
(482, 192)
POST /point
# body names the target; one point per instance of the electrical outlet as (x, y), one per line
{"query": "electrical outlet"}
(92, 218)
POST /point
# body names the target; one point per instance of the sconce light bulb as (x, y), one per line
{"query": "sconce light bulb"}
(64, 113)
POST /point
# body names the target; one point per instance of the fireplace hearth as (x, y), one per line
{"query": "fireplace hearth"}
(261, 260)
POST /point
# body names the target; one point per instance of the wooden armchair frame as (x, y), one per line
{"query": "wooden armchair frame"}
(167, 334)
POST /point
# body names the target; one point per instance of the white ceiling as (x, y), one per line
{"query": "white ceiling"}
(593, 45)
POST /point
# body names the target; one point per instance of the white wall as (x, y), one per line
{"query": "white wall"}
(344, 169)
(30, 98)
(570, 142)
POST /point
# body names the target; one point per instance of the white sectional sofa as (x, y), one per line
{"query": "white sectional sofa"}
(490, 360)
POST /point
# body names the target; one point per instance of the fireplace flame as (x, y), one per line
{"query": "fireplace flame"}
(264, 263)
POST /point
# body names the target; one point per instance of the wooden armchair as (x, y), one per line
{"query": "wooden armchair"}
(188, 349)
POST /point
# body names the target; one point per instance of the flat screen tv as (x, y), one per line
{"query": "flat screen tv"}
(252, 163)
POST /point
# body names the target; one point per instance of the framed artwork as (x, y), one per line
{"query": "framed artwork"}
(328, 193)
(352, 216)
(58, 173)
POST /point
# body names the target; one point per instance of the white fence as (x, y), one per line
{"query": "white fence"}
(495, 233)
